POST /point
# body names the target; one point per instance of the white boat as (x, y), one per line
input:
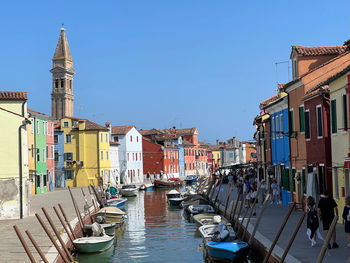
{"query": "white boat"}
(116, 202)
(93, 244)
(112, 214)
(129, 190)
(218, 232)
(173, 194)
(175, 201)
(108, 228)
(199, 209)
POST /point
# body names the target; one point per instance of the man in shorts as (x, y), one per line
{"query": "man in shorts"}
(327, 209)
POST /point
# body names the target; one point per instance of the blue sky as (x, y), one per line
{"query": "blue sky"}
(165, 63)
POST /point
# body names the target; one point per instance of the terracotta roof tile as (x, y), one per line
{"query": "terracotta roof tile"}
(37, 112)
(316, 91)
(13, 95)
(89, 125)
(319, 51)
(269, 100)
(122, 130)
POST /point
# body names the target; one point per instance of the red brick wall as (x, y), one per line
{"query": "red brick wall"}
(153, 157)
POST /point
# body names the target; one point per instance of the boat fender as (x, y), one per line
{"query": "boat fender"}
(217, 219)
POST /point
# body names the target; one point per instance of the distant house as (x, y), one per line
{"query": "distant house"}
(60, 180)
(130, 153)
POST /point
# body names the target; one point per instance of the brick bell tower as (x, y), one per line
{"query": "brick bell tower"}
(62, 98)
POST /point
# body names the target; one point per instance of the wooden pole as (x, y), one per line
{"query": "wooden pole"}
(227, 199)
(63, 224)
(232, 215)
(97, 197)
(57, 234)
(327, 239)
(24, 244)
(267, 198)
(251, 213)
(87, 205)
(41, 254)
(76, 210)
(67, 222)
(92, 199)
(279, 232)
(62, 254)
(296, 230)
(210, 188)
(217, 195)
(239, 213)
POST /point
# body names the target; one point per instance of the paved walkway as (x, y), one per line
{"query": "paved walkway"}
(11, 249)
(301, 249)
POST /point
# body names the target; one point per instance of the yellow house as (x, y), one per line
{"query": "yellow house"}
(14, 185)
(339, 113)
(86, 152)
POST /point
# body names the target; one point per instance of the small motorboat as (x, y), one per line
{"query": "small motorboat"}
(198, 209)
(108, 228)
(173, 194)
(93, 244)
(218, 232)
(129, 190)
(171, 182)
(116, 202)
(142, 187)
(112, 214)
(208, 219)
(189, 179)
(175, 201)
(230, 250)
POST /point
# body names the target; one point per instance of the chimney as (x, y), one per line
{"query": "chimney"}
(108, 126)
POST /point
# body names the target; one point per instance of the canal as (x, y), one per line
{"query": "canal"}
(154, 232)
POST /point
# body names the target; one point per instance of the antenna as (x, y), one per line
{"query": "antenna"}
(277, 64)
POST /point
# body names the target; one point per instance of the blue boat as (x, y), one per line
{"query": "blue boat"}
(191, 179)
(116, 202)
(227, 250)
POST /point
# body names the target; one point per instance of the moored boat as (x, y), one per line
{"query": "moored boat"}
(108, 228)
(116, 202)
(175, 201)
(189, 179)
(93, 244)
(218, 232)
(208, 219)
(112, 214)
(227, 250)
(173, 194)
(197, 209)
(129, 190)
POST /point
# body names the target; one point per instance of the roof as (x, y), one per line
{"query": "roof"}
(187, 143)
(280, 86)
(214, 147)
(186, 131)
(319, 51)
(38, 113)
(57, 125)
(62, 48)
(89, 125)
(13, 95)
(269, 100)
(122, 130)
(319, 91)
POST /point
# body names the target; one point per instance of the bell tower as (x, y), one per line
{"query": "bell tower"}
(62, 98)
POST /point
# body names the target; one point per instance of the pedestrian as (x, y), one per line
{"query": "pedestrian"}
(327, 209)
(346, 218)
(275, 194)
(253, 196)
(312, 221)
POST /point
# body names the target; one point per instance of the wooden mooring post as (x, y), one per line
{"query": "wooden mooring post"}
(327, 239)
(41, 254)
(76, 210)
(228, 199)
(24, 244)
(217, 195)
(233, 210)
(67, 222)
(63, 224)
(291, 208)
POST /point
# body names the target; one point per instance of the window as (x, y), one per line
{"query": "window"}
(319, 121)
(273, 128)
(52, 130)
(128, 156)
(131, 138)
(301, 119)
(69, 174)
(32, 150)
(137, 138)
(68, 156)
(231, 155)
(38, 155)
(57, 157)
(55, 139)
(65, 124)
(106, 137)
(44, 128)
(70, 84)
(68, 138)
(281, 126)
(102, 155)
(133, 156)
(115, 139)
(106, 155)
(62, 83)
(101, 136)
(136, 156)
(334, 116)
(345, 113)
(291, 120)
(47, 152)
(37, 127)
(52, 151)
(56, 83)
(307, 125)
(138, 172)
(140, 156)
(32, 126)
(295, 67)
(277, 127)
(336, 183)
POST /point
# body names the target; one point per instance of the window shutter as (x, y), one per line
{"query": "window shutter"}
(301, 119)
(334, 115)
(345, 112)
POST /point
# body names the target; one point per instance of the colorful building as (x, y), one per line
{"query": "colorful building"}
(86, 152)
(14, 167)
(60, 180)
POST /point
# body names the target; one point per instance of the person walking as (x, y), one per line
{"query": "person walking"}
(346, 218)
(326, 210)
(275, 194)
(312, 221)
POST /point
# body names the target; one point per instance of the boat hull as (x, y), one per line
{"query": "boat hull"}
(119, 202)
(227, 250)
(175, 201)
(86, 244)
(167, 184)
(129, 192)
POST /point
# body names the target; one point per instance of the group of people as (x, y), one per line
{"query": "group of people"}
(326, 210)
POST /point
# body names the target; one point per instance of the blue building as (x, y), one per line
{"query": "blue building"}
(59, 159)
(279, 168)
(178, 143)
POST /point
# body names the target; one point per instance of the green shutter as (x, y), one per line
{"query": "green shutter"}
(334, 115)
(291, 121)
(301, 119)
(345, 112)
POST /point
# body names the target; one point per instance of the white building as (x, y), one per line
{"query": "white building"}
(130, 153)
(114, 159)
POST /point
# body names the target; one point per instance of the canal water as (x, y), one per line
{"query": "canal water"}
(154, 232)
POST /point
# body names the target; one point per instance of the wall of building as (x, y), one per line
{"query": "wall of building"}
(59, 165)
(153, 157)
